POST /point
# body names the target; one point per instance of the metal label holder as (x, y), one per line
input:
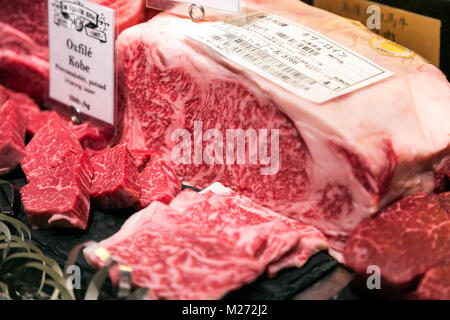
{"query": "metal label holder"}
(196, 16)
(197, 10)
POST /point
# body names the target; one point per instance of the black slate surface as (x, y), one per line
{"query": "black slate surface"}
(57, 244)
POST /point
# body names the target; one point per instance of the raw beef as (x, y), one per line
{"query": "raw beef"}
(23, 46)
(339, 162)
(59, 197)
(3, 95)
(219, 242)
(130, 12)
(89, 135)
(50, 146)
(442, 176)
(91, 152)
(404, 241)
(243, 210)
(435, 285)
(15, 111)
(26, 107)
(24, 62)
(141, 157)
(12, 137)
(115, 181)
(157, 182)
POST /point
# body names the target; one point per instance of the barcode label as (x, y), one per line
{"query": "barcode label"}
(293, 56)
(232, 43)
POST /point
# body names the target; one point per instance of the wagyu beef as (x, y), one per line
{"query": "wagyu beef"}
(157, 182)
(435, 285)
(209, 245)
(24, 46)
(59, 197)
(236, 209)
(404, 241)
(12, 137)
(339, 162)
(141, 157)
(442, 175)
(59, 175)
(50, 146)
(3, 95)
(89, 135)
(115, 181)
(24, 56)
(24, 105)
(130, 12)
(15, 111)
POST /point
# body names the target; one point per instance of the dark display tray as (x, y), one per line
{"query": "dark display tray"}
(57, 244)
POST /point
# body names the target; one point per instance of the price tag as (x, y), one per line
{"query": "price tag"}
(82, 66)
(297, 58)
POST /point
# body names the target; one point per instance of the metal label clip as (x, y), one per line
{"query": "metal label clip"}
(196, 12)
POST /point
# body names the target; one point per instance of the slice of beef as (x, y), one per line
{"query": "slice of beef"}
(12, 137)
(435, 285)
(340, 161)
(24, 64)
(243, 210)
(157, 182)
(115, 181)
(28, 17)
(89, 135)
(59, 197)
(50, 146)
(205, 251)
(404, 241)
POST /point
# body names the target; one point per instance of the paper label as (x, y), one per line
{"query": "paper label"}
(291, 55)
(420, 33)
(81, 44)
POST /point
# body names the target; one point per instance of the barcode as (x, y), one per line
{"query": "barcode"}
(298, 44)
(232, 43)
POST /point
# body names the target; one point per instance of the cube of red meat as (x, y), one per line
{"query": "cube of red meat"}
(89, 135)
(405, 240)
(157, 182)
(12, 136)
(435, 285)
(59, 197)
(51, 145)
(114, 185)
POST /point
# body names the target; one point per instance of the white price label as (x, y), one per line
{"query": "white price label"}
(81, 45)
(293, 56)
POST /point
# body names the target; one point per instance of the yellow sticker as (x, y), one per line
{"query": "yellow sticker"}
(390, 48)
(125, 268)
(102, 253)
